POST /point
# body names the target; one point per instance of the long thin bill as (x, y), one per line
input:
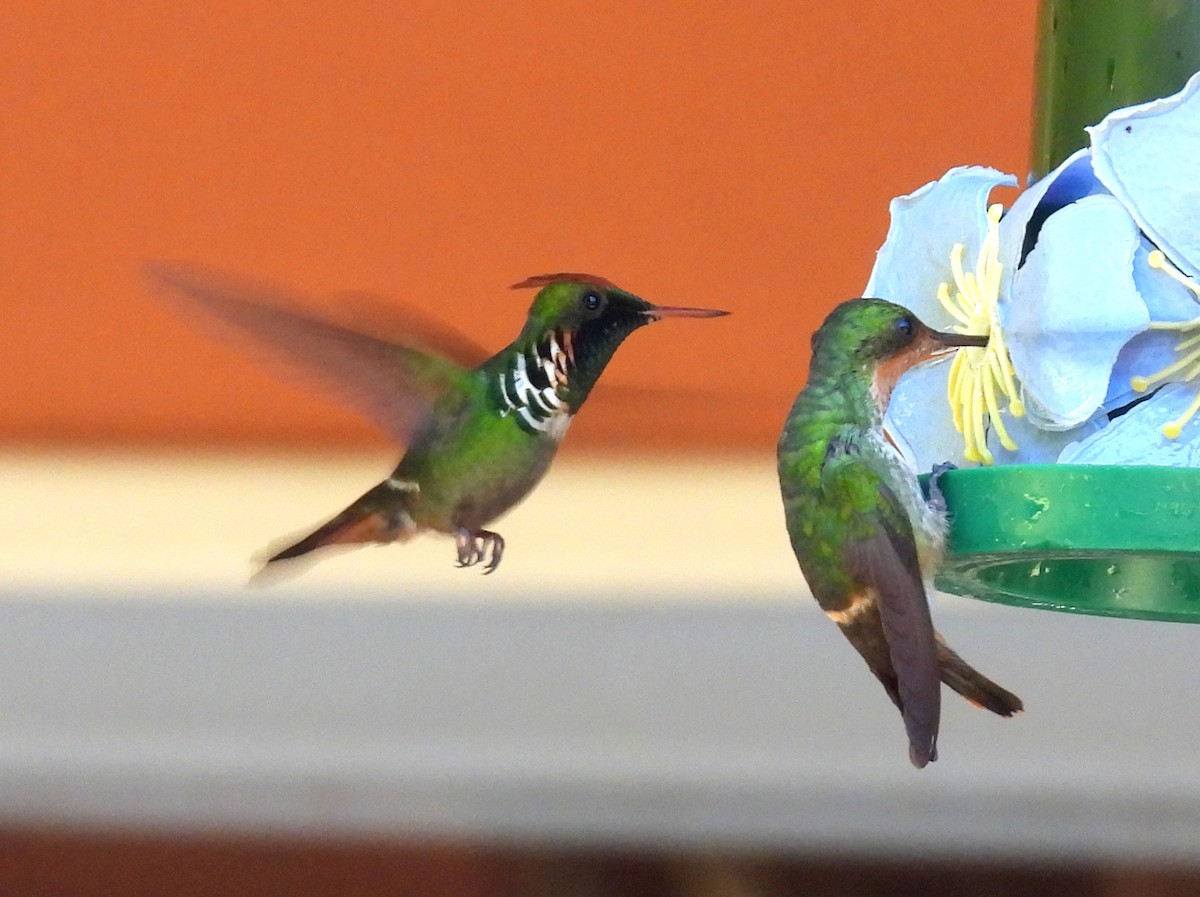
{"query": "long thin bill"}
(955, 340)
(674, 311)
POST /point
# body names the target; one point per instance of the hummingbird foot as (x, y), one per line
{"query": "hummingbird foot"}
(937, 498)
(473, 547)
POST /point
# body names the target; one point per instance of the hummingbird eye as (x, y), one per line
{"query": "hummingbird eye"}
(591, 300)
(905, 326)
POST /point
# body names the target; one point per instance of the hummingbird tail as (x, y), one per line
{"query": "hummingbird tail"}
(974, 686)
(345, 529)
(380, 516)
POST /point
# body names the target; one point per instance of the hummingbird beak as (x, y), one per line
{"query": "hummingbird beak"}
(658, 312)
(944, 343)
(928, 346)
(955, 340)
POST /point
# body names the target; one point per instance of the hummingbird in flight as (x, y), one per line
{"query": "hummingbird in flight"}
(863, 533)
(480, 431)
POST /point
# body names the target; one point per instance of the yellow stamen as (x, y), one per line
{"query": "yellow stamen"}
(979, 377)
(1156, 259)
(1189, 345)
(993, 409)
(953, 387)
(943, 295)
(1174, 428)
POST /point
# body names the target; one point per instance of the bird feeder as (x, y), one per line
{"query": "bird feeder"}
(1089, 539)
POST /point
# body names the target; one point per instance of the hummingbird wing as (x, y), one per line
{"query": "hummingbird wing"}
(881, 557)
(394, 384)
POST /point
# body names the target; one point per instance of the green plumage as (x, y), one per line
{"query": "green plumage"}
(481, 433)
(472, 461)
(860, 528)
(832, 455)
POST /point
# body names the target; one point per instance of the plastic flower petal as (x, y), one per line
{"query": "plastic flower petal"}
(1136, 437)
(1088, 288)
(1147, 156)
(1058, 313)
(927, 439)
(940, 259)
(915, 257)
(1036, 445)
(1021, 233)
(1072, 306)
(1185, 367)
(1167, 300)
(1070, 181)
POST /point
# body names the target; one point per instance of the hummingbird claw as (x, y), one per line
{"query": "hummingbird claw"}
(497, 542)
(937, 499)
(473, 547)
(468, 548)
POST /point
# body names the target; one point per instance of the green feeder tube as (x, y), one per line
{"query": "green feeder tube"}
(1094, 56)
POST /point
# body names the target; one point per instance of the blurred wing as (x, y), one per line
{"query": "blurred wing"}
(383, 319)
(886, 563)
(393, 384)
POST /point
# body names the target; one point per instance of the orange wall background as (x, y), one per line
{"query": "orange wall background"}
(737, 155)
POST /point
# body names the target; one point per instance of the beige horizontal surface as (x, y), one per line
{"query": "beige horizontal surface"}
(126, 523)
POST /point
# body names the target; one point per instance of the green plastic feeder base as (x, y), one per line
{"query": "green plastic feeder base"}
(1113, 541)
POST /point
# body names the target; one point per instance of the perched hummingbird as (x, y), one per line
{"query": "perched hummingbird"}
(480, 436)
(863, 533)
